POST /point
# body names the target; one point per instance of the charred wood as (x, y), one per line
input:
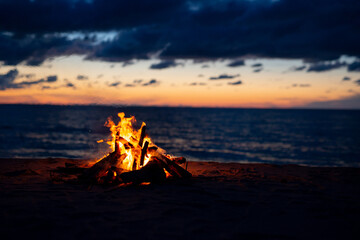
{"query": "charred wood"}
(152, 172)
(178, 160)
(101, 168)
(170, 166)
(117, 147)
(143, 153)
(142, 134)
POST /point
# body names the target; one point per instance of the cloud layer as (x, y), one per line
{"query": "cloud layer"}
(179, 29)
(224, 77)
(164, 64)
(7, 80)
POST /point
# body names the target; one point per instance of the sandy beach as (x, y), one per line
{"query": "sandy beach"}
(221, 201)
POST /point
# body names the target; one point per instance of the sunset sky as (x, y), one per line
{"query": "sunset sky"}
(210, 53)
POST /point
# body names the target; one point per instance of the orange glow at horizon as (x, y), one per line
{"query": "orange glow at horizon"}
(184, 96)
(269, 88)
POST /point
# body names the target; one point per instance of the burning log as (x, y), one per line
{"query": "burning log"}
(178, 160)
(125, 143)
(136, 155)
(142, 134)
(152, 172)
(138, 151)
(100, 169)
(170, 166)
(110, 176)
(117, 138)
(143, 153)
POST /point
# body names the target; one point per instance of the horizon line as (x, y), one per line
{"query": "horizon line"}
(167, 106)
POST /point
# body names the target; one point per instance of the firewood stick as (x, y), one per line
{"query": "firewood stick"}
(127, 145)
(174, 169)
(178, 160)
(117, 147)
(134, 165)
(100, 168)
(137, 157)
(142, 134)
(143, 153)
(151, 172)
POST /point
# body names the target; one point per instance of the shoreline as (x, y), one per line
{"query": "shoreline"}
(221, 201)
(82, 160)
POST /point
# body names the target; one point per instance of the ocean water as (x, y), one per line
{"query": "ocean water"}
(306, 137)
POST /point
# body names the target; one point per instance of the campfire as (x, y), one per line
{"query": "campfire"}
(134, 158)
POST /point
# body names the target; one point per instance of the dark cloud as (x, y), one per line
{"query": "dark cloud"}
(53, 78)
(7, 79)
(30, 75)
(114, 84)
(235, 83)
(236, 63)
(346, 78)
(28, 83)
(49, 79)
(76, 15)
(322, 67)
(33, 50)
(357, 82)
(70, 85)
(314, 31)
(296, 69)
(164, 64)
(354, 67)
(256, 65)
(127, 63)
(224, 76)
(151, 82)
(137, 82)
(82, 77)
(138, 43)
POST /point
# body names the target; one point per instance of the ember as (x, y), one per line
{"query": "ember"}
(134, 158)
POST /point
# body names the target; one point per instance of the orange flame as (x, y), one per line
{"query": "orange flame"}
(127, 138)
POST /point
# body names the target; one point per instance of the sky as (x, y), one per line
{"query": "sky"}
(200, 53)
